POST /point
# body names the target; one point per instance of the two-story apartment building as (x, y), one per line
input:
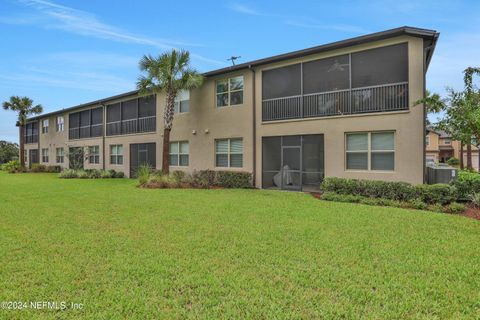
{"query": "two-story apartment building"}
(440, 147)
(342, 109)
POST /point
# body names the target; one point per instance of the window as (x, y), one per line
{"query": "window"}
(182, 102)
(60, 124)
(60, 155)
(230, 92)
(447, 141)
(229, 153)
(427, 141)
(116, 154)
(94, 154)
(370, 151)
(31, 132)
(45, 126)
(44, 155)
(179, 153)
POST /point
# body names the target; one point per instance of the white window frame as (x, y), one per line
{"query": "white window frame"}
(60, 156)
(95, 156)
(45, 155)
(427, 141)
(60, 124)
(45, 124)
(369, 150)
(116, 155)
(182, 96)
(229, 152)
(179, 153)
(229, 91)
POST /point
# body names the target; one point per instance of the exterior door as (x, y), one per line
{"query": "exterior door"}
(32, 157)
(142, 154)
(291, 168)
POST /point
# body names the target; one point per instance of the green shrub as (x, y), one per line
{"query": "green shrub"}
(204, 178)
(435, 207)
(53, 169)
(467, 183)
(94, 174)
(332, 196)
(178, 176)
(143, 174)
(37, 167)
(105, 174)
(83, 174)
(12, 166)
(400, 191)
(453, 161)
(232, 179)
(112, 173)
(417, 204)
(436, 193)
(68, 174)
(380, 202)
(119, 174)
(397, 191)
(161, 181)
(454, 208)
(475, 199)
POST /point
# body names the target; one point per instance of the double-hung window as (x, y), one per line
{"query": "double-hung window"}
(182, 102)
(44, 155)
(94, 154)
(60, 155)
(179, 153)
(229, 153)
(229, 91)
(60, 124)
(45, 126)
(370, 151)
(116, 154)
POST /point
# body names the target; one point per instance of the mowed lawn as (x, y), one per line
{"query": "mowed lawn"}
(130, 253)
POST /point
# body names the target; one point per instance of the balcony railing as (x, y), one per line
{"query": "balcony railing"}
(140, 125)
(383, 98)
(33, 138)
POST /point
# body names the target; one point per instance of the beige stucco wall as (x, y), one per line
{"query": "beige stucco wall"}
(408, 125)
(205, 123)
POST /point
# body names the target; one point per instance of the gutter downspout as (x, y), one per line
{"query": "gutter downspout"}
(424, 165)
(104, 109)
(254, 127)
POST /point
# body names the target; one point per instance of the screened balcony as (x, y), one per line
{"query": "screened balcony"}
(369, 81)
(31, 132)
(86, 124)
(132, 116)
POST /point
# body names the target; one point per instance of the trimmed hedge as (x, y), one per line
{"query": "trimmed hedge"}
(397, 191)
(467, 184)
(90, 174)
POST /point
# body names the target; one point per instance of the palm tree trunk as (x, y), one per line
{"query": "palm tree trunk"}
(165, 151)
(22, 146)
(461, 156)
(469, 156)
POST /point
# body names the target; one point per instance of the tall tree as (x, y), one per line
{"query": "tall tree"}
(169, 73)
(24, 107)
(8, 151)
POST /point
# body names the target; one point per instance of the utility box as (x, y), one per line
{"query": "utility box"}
(441, 174)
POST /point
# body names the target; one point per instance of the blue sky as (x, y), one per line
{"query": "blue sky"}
(63, 53)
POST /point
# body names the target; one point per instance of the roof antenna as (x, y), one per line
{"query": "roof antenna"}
(233, 58)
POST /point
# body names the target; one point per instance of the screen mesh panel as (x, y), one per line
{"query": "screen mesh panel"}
(129, 109)
(97, 115)
(281, 82)
(113, 112)
(146, 106)
(74, 120)
(326, 75)
(380, 66)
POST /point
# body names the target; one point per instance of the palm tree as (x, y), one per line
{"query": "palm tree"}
(24, 108)
(169, 73)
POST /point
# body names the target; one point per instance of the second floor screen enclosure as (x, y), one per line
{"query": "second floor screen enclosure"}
(374, 80)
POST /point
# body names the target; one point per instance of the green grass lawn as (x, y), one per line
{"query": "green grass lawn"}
(129, 253)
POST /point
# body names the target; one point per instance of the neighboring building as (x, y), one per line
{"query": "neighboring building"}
(343, 109)
(440, 147)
